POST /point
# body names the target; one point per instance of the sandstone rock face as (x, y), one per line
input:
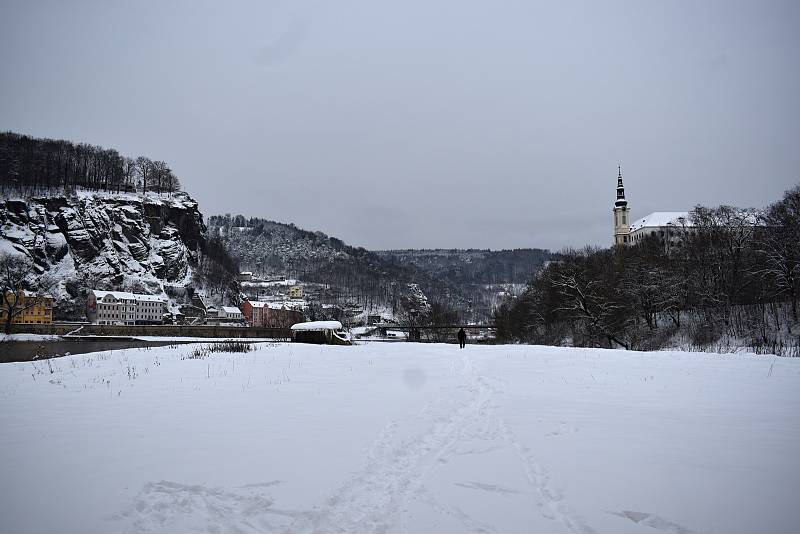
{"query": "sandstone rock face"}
(97, 239)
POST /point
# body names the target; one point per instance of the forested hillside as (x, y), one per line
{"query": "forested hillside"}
(733, 282)
(472, 266)
(354, 275)
(455, 278)
(34, 166)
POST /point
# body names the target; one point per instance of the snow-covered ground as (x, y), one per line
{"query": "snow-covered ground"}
(400, 438)
(28, 337)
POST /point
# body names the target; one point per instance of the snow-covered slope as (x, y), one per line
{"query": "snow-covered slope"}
(401, 438)
(354, 275)
(123, 241)
(470, 281)
(271, 248)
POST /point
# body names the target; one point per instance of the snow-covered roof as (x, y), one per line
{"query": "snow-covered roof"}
(271, 283)
(270, 305)
(658, 219)
(317, 325)
(126, 295)
(293, 305)
(119, 295)
(231, 309)
(148, 298)
(33, 294)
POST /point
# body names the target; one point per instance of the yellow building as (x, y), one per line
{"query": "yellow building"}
(36, 309)
(296, 292)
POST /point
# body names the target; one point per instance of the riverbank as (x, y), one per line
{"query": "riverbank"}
(26, 351)
(26, 348)
(159, 331)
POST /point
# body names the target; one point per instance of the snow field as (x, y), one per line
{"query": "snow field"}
(400, 438)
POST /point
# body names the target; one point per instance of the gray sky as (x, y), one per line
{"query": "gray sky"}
(424, 124)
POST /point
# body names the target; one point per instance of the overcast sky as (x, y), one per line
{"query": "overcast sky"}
(414, 124)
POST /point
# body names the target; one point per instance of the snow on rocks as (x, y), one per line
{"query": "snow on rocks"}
(127, 239)
(400, 438)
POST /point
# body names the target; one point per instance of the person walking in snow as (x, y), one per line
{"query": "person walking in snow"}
(462, 338)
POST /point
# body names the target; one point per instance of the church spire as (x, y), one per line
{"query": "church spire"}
(620, 189)
(621, 212)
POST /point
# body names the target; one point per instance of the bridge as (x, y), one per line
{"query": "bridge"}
(437, 333)
(408, 328)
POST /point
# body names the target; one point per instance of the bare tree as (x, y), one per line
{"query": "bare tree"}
(129, 173)
(32, 165)
(172, 184)
(585, 303)
(780, 247)
(15, 273)
(160, 172)
(145, 168)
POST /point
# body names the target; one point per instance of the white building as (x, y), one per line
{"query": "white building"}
(226, 316)
(668, 226)
(150, 309)
(231, 313)
(122, 307)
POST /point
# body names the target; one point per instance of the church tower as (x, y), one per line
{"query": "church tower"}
(621, 211)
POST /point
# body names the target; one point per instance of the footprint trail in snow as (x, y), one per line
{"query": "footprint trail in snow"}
(398, 471)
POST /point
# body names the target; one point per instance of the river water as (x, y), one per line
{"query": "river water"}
(25, 351)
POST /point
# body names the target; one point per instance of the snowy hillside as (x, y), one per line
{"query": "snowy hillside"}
(271, 248)
(470, 281)
(121, 241)
(400, 438)
(354, 275)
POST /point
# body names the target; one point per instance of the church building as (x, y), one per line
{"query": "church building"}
(669, 226)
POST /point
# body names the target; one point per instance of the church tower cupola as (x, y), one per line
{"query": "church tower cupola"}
(620, 189)
(621, 212)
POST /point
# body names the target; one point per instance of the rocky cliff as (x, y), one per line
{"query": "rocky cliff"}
(93, 239)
